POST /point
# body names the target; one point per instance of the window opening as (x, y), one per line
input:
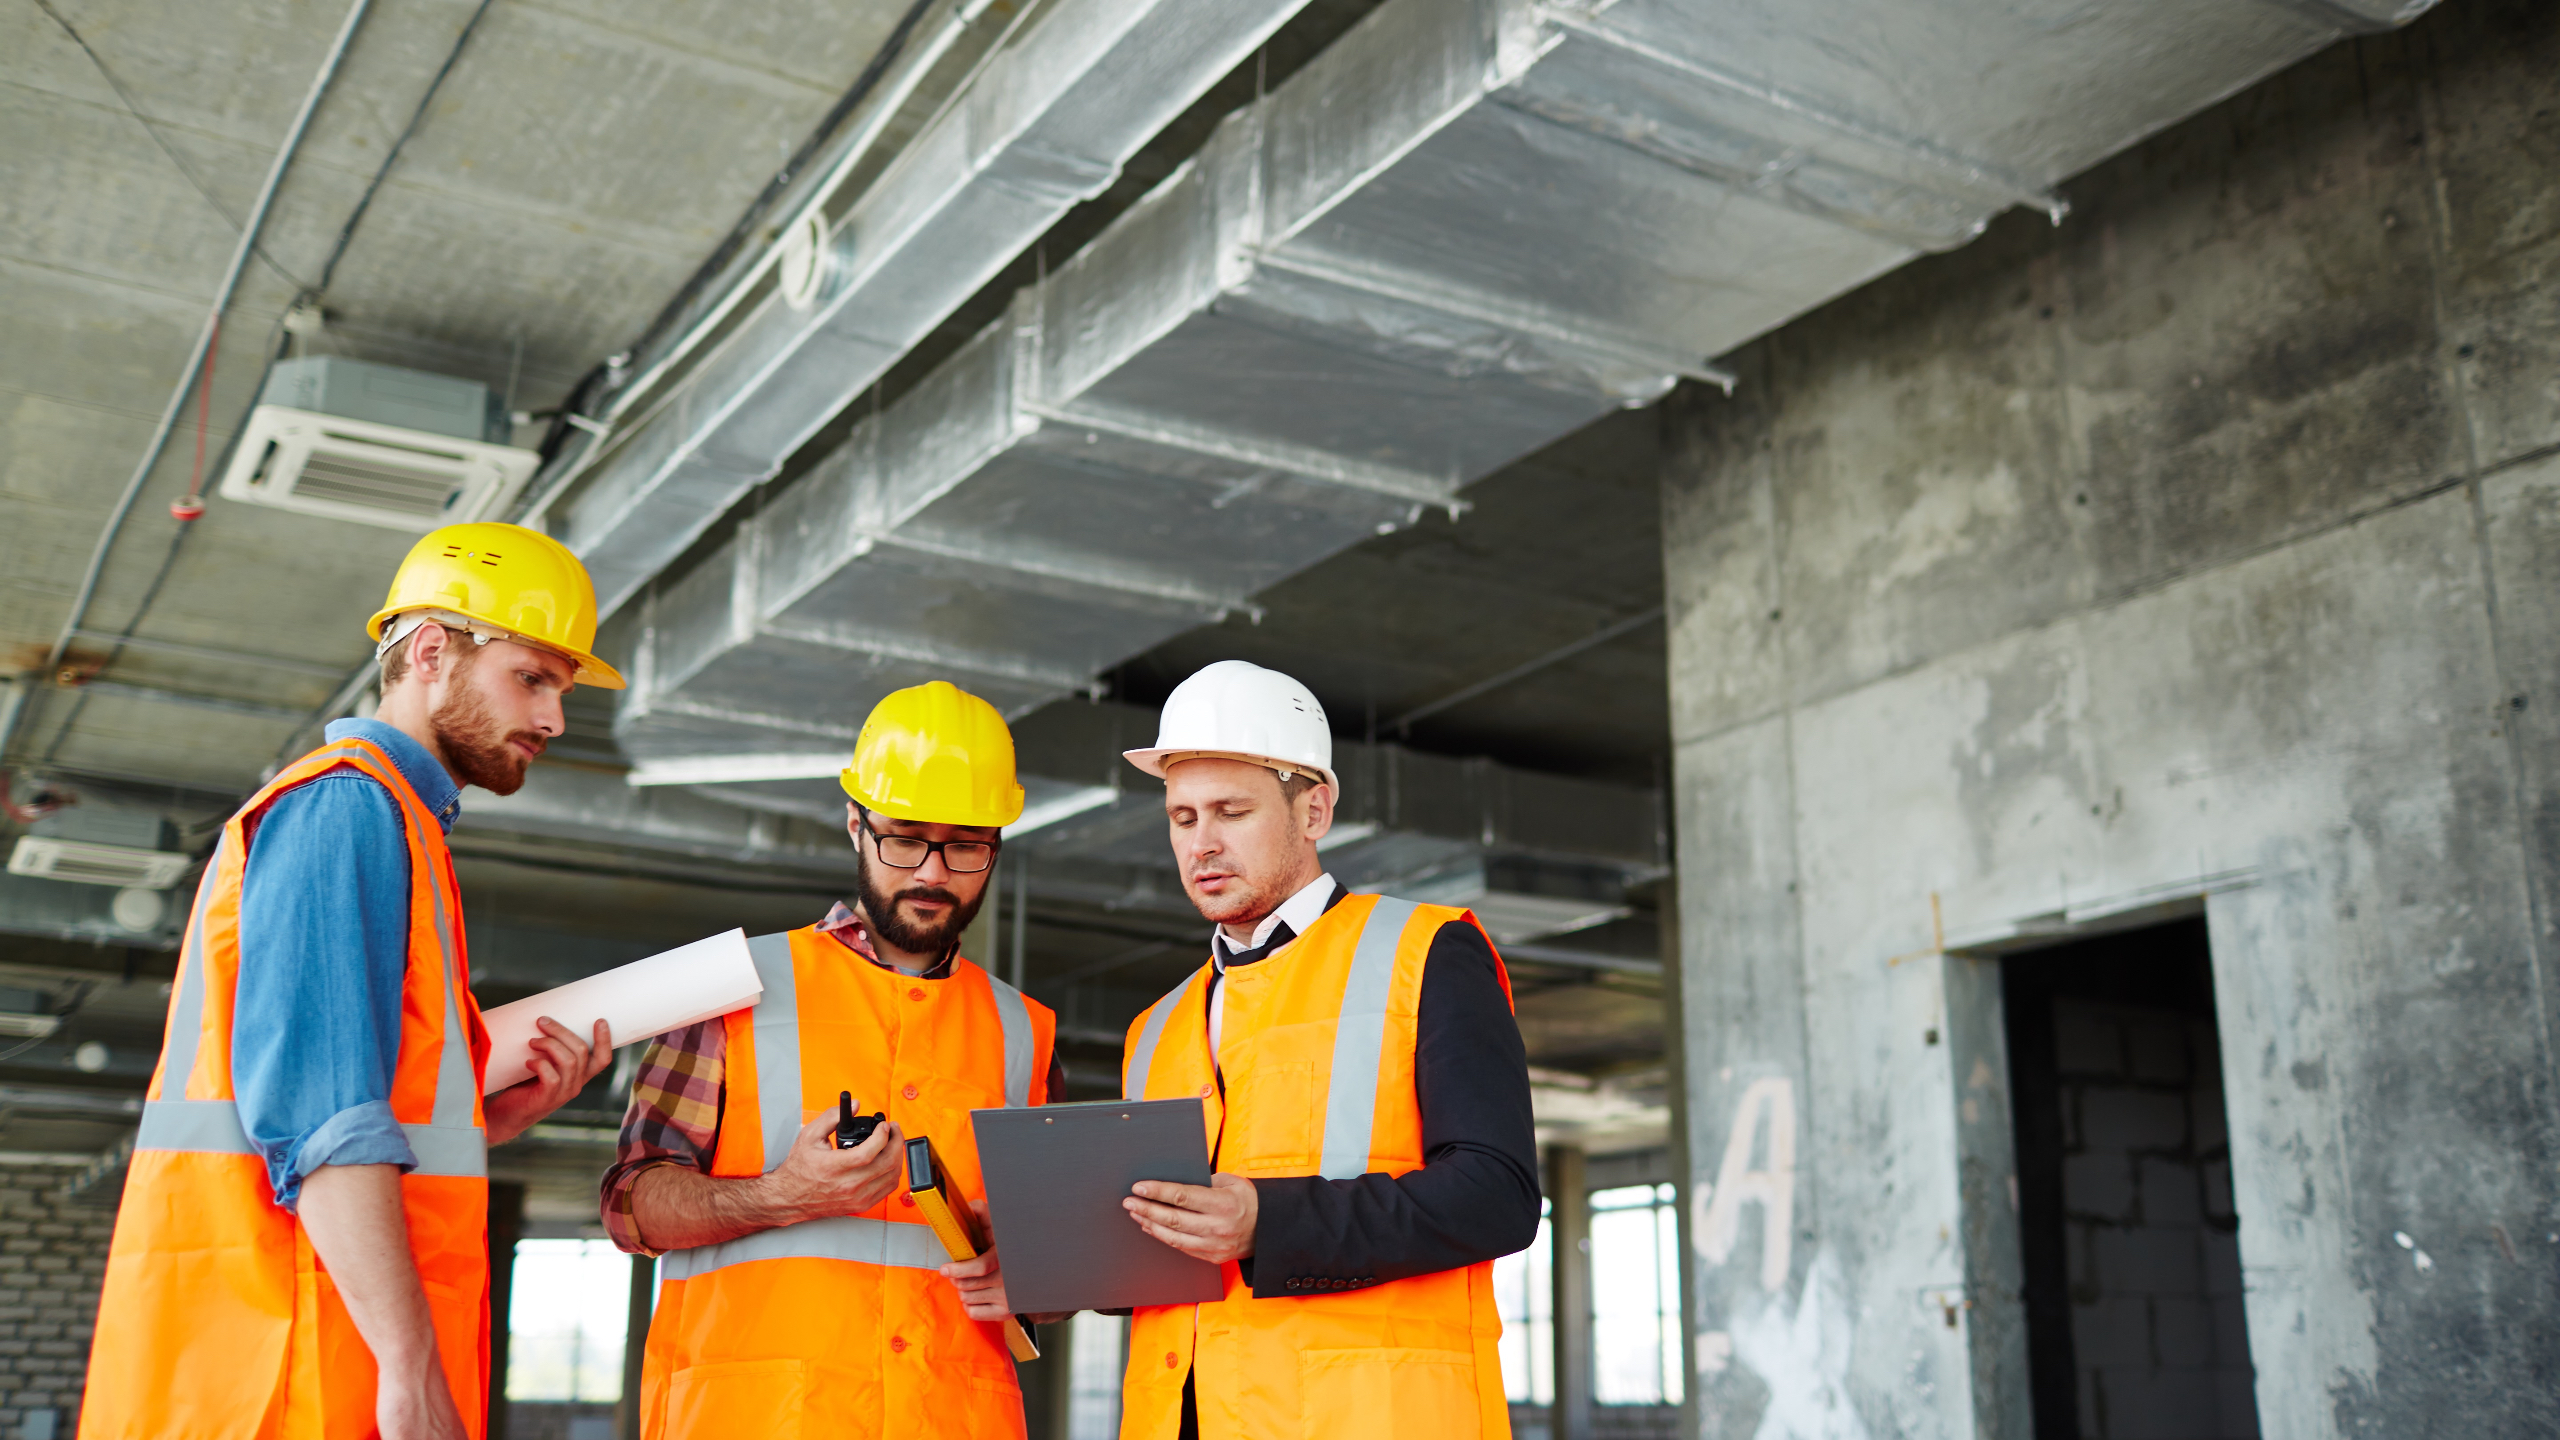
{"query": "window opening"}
(1635, 1296)
(1524, 1295)
(1096, 1352)
(566, 1315)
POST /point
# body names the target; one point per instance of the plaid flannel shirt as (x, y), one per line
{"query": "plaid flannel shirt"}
(679, 1091)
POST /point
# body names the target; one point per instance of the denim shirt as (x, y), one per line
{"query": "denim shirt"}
(324, 959)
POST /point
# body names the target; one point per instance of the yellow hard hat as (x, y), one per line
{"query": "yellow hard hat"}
(937, 754)
(517, 583)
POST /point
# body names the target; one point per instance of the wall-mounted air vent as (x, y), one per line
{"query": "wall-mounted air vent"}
(376, 445)
(88, 863)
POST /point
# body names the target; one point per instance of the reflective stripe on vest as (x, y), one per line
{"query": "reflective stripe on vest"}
(777, 1022)
(207, 1322)
(448, 1144)
(1360, 1032)
(841, 1237)
(1142, 1058)
(872, 1242)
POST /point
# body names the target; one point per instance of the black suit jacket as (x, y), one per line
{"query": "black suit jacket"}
(1476, 1195)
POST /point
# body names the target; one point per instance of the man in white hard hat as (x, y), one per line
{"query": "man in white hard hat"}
(1367, 1103)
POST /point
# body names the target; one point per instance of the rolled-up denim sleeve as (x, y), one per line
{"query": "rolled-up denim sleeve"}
(324, 940)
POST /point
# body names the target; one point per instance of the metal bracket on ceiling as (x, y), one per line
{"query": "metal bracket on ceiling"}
(879, 645)
(1305, 461)
(2352, 17)
(1926, 165)
(1575, 331)
(1118, 583)
(761, 719)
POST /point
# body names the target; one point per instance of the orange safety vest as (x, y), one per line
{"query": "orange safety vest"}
(217, 1319)
(1317, 1047)
(840, 1327)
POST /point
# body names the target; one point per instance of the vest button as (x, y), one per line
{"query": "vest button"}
(898, 1343)
(1204, 1091)
(916, 994)
(908, 1200)
(1171, 1360)
(909, 1092)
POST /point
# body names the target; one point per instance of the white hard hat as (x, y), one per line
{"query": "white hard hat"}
(1236, 711)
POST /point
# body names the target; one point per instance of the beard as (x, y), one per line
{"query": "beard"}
(880, 907)
(477, 745)
(1239, 903)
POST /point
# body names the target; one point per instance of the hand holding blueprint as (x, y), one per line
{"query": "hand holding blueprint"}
(644, 998)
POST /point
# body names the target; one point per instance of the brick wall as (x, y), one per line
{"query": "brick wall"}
(2152, 1239)
(53, 1258)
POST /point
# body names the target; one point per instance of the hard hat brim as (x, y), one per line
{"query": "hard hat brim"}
(590, 670)
(995, 819)
(1154, 761)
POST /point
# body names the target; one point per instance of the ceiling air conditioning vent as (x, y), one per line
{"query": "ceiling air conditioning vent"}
(87, 863)
(376, 445)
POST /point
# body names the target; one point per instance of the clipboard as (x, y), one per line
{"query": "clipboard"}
(1055, 1177)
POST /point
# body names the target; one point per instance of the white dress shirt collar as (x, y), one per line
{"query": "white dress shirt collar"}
(1299, 911)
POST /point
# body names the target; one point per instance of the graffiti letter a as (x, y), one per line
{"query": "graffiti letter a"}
(1771, 1103)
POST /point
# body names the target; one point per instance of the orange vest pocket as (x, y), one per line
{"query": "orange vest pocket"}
(1410, 1394)
(1266, 1130)
(769, 1398)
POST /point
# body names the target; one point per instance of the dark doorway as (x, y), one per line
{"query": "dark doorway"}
(2124, 1190)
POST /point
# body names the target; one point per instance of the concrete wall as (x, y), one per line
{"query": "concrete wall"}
(2201, 547)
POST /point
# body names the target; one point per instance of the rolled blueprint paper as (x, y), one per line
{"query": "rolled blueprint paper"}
(645, 998)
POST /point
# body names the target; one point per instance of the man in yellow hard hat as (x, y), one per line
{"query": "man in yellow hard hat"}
(799, 1291)
(302, 1247)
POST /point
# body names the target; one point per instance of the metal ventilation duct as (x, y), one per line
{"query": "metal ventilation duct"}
(1536, 854)
(1046, 125)
(1466, 229)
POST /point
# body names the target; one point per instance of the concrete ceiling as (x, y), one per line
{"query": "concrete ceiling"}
(1559, 549)
(582, 160)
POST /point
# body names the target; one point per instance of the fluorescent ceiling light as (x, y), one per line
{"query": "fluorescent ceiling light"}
(1050, 809)
(736, 769)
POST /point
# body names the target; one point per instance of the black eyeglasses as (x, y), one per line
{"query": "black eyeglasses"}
(909, 852)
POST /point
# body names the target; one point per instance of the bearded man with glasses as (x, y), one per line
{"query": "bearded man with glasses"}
(799, 1291)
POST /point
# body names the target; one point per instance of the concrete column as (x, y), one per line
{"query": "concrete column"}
(1989, 1307)
(1569, 1197)
(506, 1226)
(1675, 1052)
(1021, 922)
(635, 1344)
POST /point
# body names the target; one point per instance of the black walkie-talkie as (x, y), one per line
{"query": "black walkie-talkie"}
(852, 1129)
